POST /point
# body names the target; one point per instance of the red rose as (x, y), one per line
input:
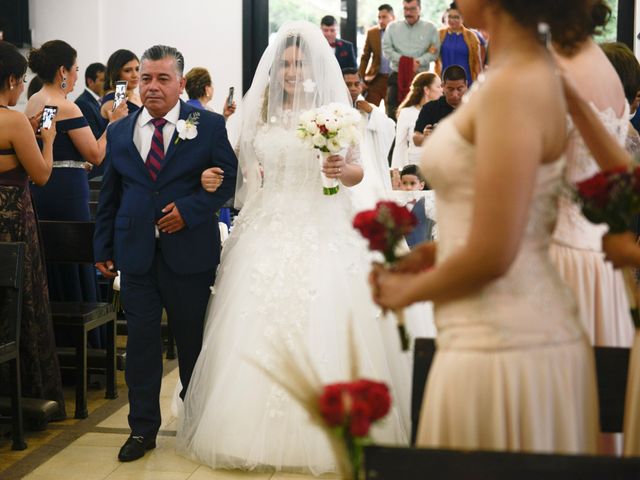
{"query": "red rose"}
(595, 189)
(375, 394)
(366, 223)
(332, 404)
(360, 419)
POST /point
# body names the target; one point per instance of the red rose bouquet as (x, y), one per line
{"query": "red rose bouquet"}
(384, 227)
(613, 197)
(344, 411)
(349, 410)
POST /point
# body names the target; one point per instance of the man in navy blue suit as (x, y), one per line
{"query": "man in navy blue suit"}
(345, 53)
(157, 225)
(89, 103)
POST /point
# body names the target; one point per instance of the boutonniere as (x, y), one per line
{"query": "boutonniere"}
(188, 129)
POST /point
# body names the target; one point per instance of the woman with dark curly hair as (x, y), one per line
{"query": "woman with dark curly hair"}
(514, 368)
(123, 65)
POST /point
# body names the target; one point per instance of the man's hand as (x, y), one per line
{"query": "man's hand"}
(107, 269)
(433, 50)
(364, 106)
(416, 64)
(172, 222)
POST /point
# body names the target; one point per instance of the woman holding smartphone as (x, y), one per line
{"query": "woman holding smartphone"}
(21, 159)
(122, 66)
(66, 195)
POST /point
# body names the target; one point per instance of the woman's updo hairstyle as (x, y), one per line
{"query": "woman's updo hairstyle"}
(571, 21)
(46, 60)
(12, 63)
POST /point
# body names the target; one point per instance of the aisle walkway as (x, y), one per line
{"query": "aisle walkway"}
(87, 449)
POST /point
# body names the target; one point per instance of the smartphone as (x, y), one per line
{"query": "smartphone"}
(48, 114)
(230, 97)
(120, 94)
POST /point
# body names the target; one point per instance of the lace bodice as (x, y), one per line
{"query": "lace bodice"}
(573, 229)
(529, 305)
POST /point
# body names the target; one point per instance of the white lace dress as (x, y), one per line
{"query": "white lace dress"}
(514, 369)
(292, 270)
(577, 249)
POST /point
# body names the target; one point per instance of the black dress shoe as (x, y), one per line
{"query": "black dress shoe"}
(135, 448)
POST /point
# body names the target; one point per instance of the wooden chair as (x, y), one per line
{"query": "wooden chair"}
(11, 265)
(72, 242)
(384, 463)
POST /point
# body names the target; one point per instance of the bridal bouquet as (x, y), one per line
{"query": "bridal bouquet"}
(330, 129)
(384, 227)
(344, 411)
(613, 197)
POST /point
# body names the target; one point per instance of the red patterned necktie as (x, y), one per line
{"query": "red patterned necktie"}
(156, 152)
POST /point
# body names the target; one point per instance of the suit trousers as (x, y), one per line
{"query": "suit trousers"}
(185, 299)
(377, 89)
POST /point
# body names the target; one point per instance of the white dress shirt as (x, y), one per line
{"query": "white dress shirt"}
(143, 133)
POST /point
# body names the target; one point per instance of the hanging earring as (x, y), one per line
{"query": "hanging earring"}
(10, 87)
(63, 85)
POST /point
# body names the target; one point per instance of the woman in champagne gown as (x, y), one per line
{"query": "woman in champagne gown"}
(293, 271)
(514, 369)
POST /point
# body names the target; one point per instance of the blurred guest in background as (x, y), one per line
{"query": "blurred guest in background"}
(345, 53)
(376, 73)
(459, 46)
(426, 86)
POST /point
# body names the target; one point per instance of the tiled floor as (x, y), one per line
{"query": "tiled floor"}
(93, 454)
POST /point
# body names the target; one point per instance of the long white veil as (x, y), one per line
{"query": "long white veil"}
(297, 72)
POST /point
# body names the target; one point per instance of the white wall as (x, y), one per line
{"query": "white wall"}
(207, 32)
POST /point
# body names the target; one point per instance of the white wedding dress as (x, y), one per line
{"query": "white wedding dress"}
(293, 270)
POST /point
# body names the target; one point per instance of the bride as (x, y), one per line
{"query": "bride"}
(293, 270)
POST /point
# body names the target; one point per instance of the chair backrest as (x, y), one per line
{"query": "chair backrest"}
(388, 463)
(612, 366)
(11, 265)
(67, 242)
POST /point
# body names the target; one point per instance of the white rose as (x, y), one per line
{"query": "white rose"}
(307, 117)
(320, 118)
(333, 144)
(311, 127)
(319, 141)
(332, 124)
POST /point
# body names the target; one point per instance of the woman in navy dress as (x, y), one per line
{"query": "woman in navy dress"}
(66, 195)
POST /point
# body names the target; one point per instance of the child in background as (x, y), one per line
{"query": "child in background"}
(411, 179)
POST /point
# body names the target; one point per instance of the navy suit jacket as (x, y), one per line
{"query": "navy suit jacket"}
(346, 54)
(91, 110)
(130, 202)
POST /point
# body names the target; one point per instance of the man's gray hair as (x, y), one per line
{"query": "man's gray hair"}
(158, 52)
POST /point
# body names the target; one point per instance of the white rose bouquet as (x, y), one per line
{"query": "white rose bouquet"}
(330, 129)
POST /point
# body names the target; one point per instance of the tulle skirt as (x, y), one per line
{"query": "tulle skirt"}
(300, 277)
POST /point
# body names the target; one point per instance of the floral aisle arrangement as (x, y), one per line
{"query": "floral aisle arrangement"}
(385, 227)
(613, 197)
(345, 411)
(330, 129)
